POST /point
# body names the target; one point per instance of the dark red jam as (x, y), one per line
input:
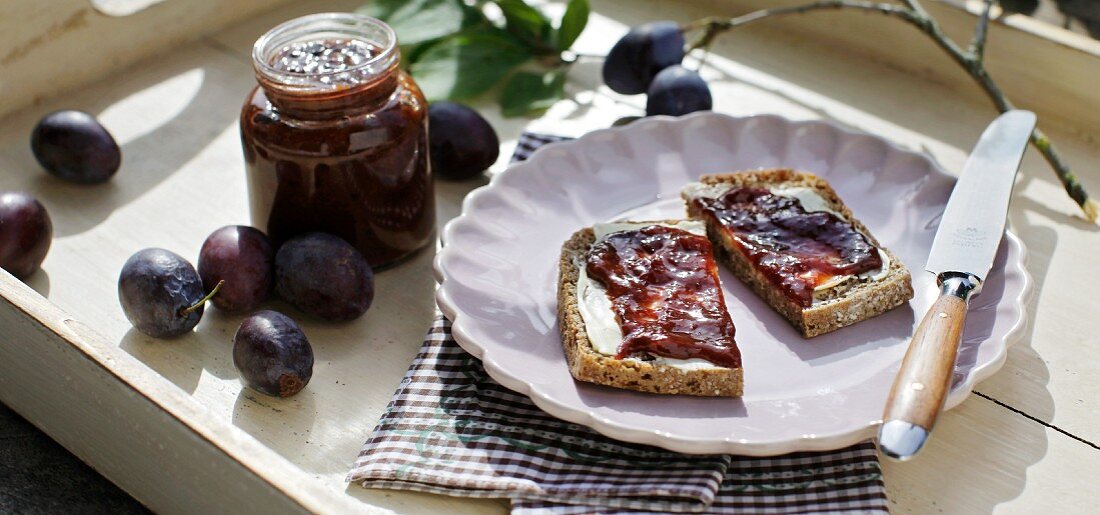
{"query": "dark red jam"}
(324, 57)
(796, 250)
(336, 140)
(663, 286)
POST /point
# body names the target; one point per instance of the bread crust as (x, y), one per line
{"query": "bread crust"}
(844, 305)
(587, 364)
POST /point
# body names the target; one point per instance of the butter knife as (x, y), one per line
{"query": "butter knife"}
(962, 253)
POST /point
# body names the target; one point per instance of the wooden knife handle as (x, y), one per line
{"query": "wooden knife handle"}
(924, 379)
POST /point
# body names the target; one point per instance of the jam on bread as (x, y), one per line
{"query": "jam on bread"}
(795, 249)
(788, 236)
(664, 289)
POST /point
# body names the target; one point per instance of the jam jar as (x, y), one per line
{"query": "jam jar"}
(335, 137)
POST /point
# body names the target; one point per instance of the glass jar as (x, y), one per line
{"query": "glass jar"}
(335, 137)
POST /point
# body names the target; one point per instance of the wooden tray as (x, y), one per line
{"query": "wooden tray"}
(168, 421)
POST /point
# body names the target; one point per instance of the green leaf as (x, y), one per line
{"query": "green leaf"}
(418, 21)
(473, 21)
(381, 9)
(464, 66)
(526, 22)
(572, 23)
(528, 93)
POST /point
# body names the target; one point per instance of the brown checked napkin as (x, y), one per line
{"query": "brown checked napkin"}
(450, 429)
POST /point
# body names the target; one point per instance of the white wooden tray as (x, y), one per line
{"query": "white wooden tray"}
(168, 421)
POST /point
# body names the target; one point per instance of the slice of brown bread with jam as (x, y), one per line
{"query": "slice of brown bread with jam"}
(638, 369)
(748, 214)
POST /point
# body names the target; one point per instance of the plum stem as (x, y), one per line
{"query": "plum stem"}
(187, 311)
(970, 60)
(585, 55)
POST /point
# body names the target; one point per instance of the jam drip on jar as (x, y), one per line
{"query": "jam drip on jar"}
(663, 285)
(796, 250)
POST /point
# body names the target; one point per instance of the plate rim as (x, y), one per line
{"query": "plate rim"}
(683, 443)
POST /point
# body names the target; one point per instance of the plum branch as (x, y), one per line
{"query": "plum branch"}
(977, 44)
(970, 60)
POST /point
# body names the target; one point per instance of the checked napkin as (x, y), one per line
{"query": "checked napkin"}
(450, 429)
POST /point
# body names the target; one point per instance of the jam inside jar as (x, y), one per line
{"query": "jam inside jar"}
(335, 138)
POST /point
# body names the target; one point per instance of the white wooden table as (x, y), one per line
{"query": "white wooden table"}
(1025, 442)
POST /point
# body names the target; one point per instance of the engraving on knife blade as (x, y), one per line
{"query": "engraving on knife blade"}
(969, 237)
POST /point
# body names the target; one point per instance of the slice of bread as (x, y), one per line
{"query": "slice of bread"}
(587, 364)
(845, 304)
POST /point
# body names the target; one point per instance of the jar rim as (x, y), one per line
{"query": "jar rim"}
(348, 22)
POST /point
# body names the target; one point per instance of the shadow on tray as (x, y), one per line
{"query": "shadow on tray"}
(163, 113)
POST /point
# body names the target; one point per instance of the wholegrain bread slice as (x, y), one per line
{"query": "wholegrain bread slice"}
(587, 364)
(848, 303)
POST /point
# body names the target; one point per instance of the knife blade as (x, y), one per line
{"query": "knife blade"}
(962, 253)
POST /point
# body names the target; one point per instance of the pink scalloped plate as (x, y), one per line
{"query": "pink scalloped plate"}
(499, 268)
